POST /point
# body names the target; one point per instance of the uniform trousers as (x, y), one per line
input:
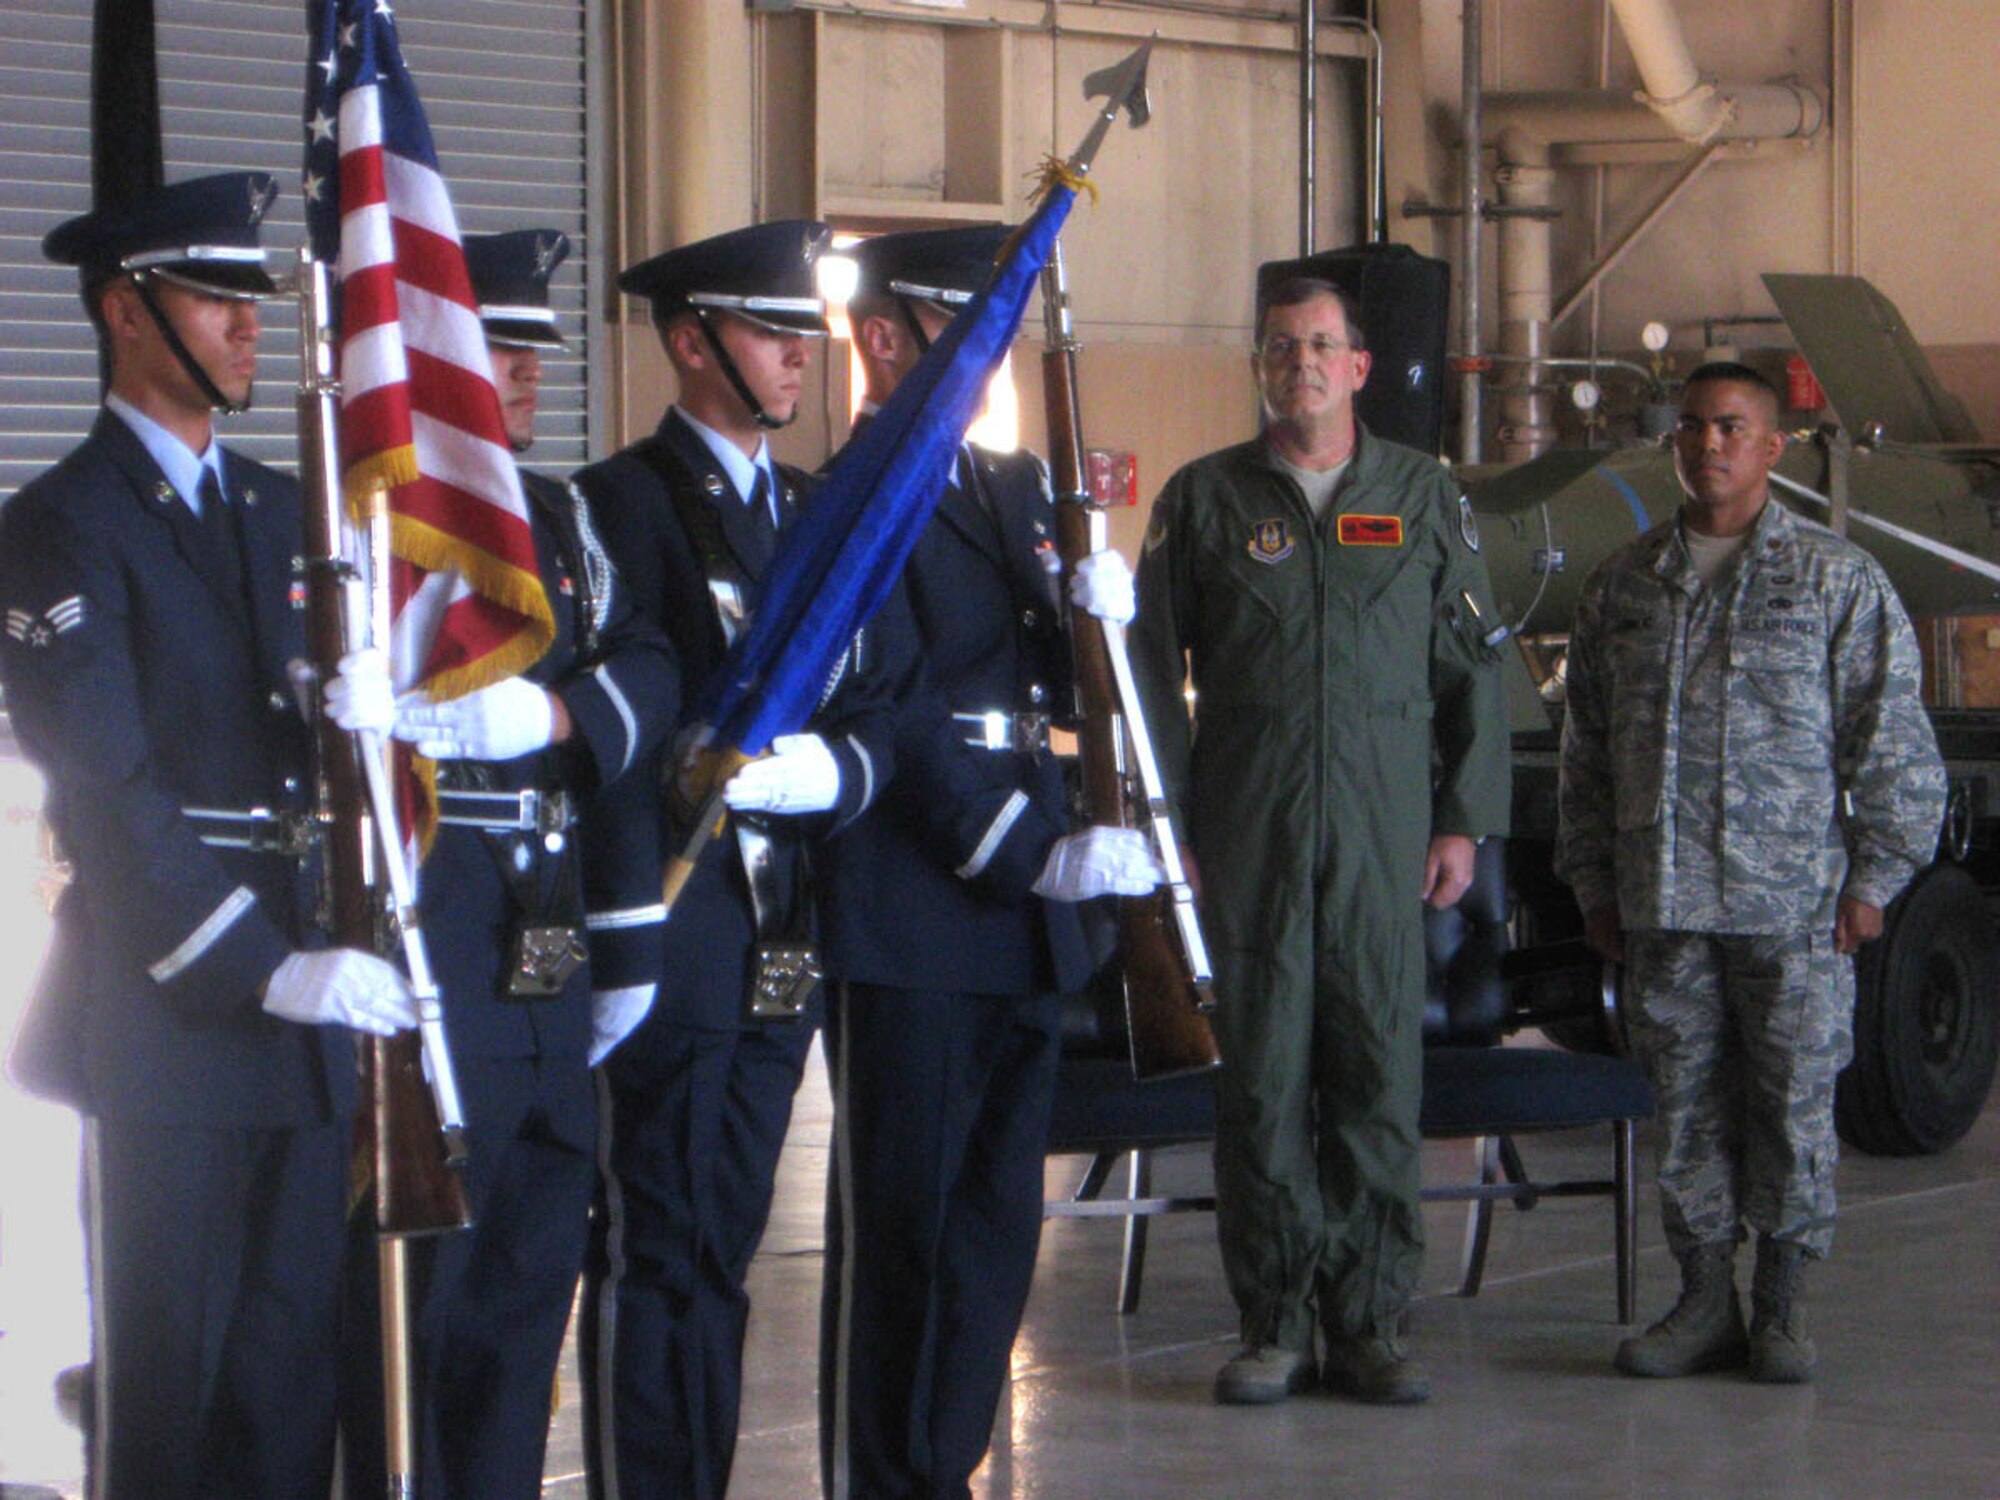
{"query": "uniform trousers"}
(215, 1295)
(1318, 1155)
(692, 1125)
(490, 1303)
(1743, 1037)
(934, 1216)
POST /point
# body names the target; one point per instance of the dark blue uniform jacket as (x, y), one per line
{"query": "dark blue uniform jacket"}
(930, 889)
(621, 690)
(142, 681)
(702, 955)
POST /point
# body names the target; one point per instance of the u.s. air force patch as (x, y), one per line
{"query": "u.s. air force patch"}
(1468, 528)
(41, 630)
(1270, 541)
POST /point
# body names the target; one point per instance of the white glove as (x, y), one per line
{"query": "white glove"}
(496, 723)
(341, 987)
(1099, 862)
(1102, 586)
(615, 1015)
(362, 697)
(800, 775)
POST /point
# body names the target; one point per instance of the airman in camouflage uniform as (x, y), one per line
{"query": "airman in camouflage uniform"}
(1748, 778)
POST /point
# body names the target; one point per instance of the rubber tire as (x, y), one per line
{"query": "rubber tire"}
(1926, 1021)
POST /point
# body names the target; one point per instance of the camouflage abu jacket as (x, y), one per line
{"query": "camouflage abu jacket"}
(1734, 760)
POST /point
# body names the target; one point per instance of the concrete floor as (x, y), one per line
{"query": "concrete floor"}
(1907, 1313)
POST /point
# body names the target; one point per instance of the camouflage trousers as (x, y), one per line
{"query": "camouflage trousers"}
(1742, 1037)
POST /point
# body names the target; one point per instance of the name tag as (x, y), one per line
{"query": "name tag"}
(1371, 531)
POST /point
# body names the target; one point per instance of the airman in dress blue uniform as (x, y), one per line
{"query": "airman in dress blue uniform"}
(950, 926)
(147, 583)
(505, 922)
(700, 1096)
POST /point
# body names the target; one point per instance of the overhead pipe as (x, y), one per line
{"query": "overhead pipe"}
(1471, 209)
(1678, 105)
(1308, 121)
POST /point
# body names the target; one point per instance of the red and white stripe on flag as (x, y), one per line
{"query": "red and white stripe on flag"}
(421, 420)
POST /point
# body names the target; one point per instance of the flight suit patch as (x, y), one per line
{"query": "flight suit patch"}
(1156, 529)
(1468, 527)
(1270, 541)
(1371, 531)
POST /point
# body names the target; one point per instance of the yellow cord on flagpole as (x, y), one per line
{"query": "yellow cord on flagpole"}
(1054, 172)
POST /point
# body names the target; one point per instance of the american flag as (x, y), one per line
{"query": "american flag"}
(418, 412)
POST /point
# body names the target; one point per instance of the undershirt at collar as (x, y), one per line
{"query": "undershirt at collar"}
(1320, 485)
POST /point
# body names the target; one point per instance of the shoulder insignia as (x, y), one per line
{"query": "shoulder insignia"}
(1270, 540)
(1468, 527)
(41, 630)
(1370, 531)
(1156, 529)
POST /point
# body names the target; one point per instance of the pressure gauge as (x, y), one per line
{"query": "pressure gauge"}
(1654, 336)
(1585, 395)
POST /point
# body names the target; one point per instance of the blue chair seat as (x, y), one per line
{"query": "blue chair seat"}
(1472, 1091)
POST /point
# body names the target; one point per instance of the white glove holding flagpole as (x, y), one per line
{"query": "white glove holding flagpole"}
(362, 698)
(500, 722)
(342, 987)
(800, 775)
(1099, 862)
(1102, 586)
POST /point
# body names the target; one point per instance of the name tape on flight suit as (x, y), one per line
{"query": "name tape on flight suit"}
(1371, 531)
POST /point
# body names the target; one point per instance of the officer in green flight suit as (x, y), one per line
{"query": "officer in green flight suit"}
(1322, 589)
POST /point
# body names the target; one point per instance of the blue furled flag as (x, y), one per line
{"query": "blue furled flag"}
(836, 563)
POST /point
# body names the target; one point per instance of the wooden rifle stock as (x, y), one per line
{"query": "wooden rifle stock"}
(1166, 977)
(417, 1190)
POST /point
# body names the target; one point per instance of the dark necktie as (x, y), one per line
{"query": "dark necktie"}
(762, 526)
(218, 524)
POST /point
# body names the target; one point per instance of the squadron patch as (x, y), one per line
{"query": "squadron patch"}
(1270, 541)
(1156, 530)
(1371, 531)
(41, 630)
(1468, 528)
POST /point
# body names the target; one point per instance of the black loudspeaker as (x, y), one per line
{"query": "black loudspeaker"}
(1405, 303)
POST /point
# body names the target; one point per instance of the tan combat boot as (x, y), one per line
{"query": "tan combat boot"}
(1780, 1352)
(1705, 1329)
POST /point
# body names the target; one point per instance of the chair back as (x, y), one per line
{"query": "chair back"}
(1466, 1003)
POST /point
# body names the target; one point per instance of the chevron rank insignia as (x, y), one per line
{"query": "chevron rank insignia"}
(41, 630)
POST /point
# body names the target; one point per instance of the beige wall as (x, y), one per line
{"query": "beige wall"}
(729, 117)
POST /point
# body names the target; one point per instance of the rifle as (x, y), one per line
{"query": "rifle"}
(412, 1134)
(1166, 970)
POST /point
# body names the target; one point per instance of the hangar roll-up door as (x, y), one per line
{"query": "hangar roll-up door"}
(503, 85)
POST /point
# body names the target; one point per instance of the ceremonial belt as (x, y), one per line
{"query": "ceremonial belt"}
(998, 729)
(264, 831)
(258, 829)
(530, 810)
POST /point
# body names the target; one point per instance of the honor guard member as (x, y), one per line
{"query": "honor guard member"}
(148, 584)
(1323, 589)
(700, 1096)
(505, 921)
(950, 928)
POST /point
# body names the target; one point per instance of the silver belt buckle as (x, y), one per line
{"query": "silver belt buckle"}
(992, 729)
